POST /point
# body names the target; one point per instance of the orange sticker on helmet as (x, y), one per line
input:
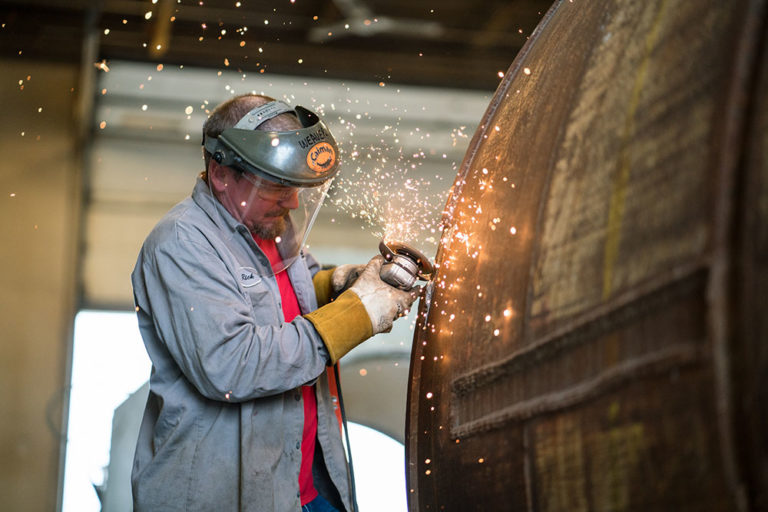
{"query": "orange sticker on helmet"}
(321, 157)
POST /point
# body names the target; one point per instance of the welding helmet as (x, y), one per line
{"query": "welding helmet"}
(280, 164)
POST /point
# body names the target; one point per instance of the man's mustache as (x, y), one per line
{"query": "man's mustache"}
(282, 212)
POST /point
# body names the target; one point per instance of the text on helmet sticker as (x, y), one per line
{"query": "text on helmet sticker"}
(314, 137)
(321, 157)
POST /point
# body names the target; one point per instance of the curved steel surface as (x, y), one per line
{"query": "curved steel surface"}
(594, 338)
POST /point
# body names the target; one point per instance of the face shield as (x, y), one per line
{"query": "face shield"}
(283, 176)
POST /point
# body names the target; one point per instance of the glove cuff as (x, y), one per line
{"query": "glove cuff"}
(323, 290)
(343, 324)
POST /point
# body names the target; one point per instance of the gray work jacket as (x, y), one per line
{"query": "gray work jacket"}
(223, 424)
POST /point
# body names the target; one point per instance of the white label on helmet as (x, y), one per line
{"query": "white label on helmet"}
(248, 276)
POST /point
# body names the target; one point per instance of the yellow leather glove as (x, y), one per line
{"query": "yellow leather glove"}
(367, 308)
(343, 324)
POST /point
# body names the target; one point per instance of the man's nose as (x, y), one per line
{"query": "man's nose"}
(291, 201)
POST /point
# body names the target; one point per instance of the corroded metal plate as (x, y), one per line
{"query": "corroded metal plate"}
(593, 339)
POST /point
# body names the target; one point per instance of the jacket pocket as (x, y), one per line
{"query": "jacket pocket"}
(164, 428)
(262, 301)
(258, 293)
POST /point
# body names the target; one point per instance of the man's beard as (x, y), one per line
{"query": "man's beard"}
(273, 229)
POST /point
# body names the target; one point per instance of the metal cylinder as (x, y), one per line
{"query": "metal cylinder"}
(595, 335)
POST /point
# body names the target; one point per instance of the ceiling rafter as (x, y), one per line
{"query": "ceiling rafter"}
(454, 44)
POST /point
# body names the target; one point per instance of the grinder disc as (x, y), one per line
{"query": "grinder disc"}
(389, 249)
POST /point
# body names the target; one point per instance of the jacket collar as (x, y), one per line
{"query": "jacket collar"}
(219, 215)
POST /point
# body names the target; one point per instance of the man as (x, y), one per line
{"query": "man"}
(242, 326)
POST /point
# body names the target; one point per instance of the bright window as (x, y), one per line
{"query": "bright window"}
(108, 364)
(379, 464)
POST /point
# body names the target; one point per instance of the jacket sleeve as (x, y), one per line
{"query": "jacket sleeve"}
(225, 341)
(312, 264)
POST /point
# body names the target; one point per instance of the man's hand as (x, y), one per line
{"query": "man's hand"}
(344, 276)
(383, 302)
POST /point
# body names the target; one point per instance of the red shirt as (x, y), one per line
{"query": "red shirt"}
(290, 311)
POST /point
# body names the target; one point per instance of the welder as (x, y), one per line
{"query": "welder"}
(243, 326)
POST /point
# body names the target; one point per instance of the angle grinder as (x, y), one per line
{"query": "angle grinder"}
(404, 265)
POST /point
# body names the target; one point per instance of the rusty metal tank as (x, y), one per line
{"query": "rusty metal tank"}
(596, 337)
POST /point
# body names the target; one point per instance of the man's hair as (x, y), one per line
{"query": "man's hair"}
(227, 114)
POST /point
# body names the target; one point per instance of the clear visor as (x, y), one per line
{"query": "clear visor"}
(281, 213)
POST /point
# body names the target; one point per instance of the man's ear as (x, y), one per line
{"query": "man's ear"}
(218, 176)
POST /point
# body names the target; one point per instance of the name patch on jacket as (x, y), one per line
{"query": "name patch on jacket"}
(248, 276)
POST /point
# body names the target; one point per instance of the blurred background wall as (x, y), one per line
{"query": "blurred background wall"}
(39, 226)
